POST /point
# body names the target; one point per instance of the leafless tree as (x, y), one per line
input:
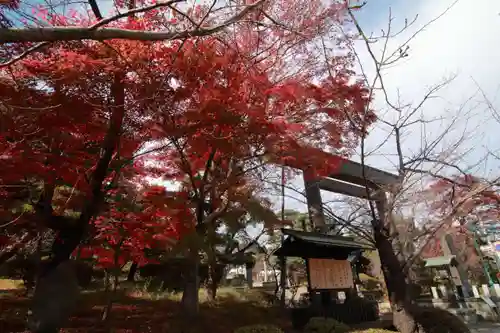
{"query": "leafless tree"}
(428, 158)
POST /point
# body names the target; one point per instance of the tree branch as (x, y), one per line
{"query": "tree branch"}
(95, 9)
(53, 34)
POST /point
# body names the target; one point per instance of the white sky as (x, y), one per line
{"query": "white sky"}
(461, 43)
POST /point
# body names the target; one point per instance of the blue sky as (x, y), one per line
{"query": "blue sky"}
(375, 11)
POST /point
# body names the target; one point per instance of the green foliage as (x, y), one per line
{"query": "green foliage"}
(238, 280)
(369, 283)
(27, 208)
(325, 325)
(298, 219)
(259, 329)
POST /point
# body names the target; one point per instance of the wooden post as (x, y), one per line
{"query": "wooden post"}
(308, 274)
(283, 280)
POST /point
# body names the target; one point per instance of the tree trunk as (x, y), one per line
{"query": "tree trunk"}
(70, 236)
(395, 278)
(395, 281)
(54, 299)
(213, 282)
(131, 272)
(190, 297)
(407, 317)
(111, 294)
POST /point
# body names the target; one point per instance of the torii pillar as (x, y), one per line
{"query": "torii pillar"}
(352, 179)
(314, 202)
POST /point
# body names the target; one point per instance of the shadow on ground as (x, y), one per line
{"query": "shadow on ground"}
(134, 315)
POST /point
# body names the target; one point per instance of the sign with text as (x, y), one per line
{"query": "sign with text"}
(330, 274)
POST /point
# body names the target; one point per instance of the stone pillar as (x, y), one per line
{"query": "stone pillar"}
(435, 294)
(458, 275)
(486, 290)
(475, 292)
(496, 288)
(315, 209)
(314, 202)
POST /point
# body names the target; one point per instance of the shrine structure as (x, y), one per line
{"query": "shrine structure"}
(330, 259)
(330, 263)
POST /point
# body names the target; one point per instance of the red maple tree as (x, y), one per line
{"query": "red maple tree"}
(460, 206)
(464, 199)
(217, 108)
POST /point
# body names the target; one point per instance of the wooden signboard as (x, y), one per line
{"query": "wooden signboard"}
(330, 274)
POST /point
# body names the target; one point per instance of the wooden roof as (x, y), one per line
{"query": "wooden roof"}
(317, 245)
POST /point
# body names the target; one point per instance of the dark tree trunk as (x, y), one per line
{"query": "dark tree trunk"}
(54, 299)
(395, 281)
(395, 278)
(407, 317)
(70, 235)
(190, 297)
(131, 272)
(212, 290)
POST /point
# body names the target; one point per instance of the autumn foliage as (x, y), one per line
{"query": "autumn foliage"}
(460, 206)
(206, 113)
(464, 199)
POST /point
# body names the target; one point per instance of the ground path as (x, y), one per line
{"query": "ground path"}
(486, 328)
(476, 328)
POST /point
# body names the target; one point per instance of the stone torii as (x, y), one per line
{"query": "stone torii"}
(351, 179)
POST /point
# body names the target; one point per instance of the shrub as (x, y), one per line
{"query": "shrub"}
(259, 329)
(238, 280)
(415, 290)
(325, 325)
(370, 283)
(436, 320)
(300, 317)
(361, 310)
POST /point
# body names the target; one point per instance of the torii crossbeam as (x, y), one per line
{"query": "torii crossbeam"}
(352, 179)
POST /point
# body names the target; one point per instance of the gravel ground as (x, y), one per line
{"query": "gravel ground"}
(486, 328)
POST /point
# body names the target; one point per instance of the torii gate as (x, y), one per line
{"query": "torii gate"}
(350, 180)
